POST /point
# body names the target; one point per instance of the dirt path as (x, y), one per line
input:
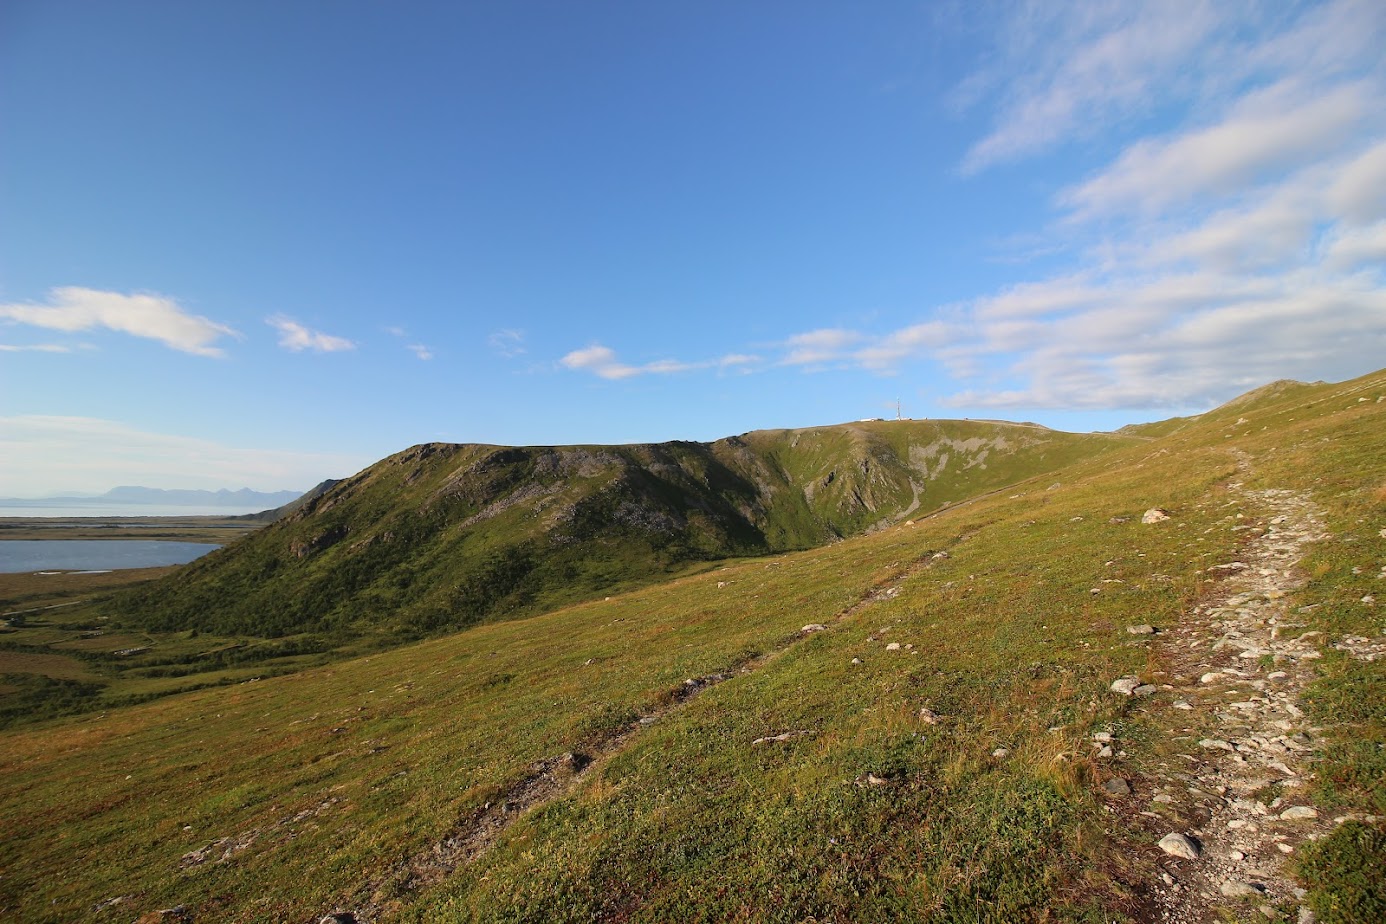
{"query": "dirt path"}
(1240, 662)
(555, 777)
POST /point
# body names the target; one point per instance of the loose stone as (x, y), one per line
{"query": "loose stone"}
(1180, 845)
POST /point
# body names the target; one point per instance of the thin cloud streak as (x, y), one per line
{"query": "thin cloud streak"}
(154, 317)
(296, 338)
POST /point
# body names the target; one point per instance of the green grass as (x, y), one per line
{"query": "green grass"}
(334, 776)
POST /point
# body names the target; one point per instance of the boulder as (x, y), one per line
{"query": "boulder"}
(1180, 845)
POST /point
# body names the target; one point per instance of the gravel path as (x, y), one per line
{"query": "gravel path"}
(1240, 662)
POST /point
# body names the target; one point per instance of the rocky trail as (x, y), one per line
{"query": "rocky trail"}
(1237, 779)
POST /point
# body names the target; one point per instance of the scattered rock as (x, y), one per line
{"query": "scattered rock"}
(893, 646)
(928, 716)
(1145, 689)
(1180, 845)
(782, 736)
(1235, 889)
(1216, 744)
(814, 627)
(1103, 737)
(1116, 786)
(338, 917)
(1155, 515)
(1298, 813)
(1001, 753)
(1126, 685)
(871, 779)
(1142, 629)
(856, 660)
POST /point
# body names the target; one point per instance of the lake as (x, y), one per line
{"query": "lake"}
(21, 555)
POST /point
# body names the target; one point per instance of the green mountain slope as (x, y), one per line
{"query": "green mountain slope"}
(896, 727)
(442, 536)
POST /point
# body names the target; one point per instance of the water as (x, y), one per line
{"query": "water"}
(21, 555)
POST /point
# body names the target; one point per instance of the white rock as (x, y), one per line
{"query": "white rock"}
(1234, 889)
(1126, 685)
(1000, 753)
(1215, 744)
(1142, 629)
(814, 627)
(1298, 813)
(1156, 515)
(893, 646)
(1178, 845)
(928, 716)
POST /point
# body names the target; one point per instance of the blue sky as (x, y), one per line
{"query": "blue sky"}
(263, 243)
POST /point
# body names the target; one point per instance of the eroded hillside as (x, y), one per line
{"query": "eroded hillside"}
(442, 536)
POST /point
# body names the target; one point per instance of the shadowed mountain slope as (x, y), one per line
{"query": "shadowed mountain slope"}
(442, 536)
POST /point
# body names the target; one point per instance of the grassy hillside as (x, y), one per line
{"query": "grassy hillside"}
(692, 751)
(444, 536)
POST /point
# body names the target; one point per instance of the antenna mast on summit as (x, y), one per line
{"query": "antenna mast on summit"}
(897, 410)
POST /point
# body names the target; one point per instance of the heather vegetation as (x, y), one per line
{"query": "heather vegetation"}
(896, 726)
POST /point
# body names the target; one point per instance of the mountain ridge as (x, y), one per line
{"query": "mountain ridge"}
(444, 535)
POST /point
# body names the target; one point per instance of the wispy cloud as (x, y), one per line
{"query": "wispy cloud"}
(1242, 244)
(507, 343)
(1266, 132)
(1058, 70)
(421, 351)
(1236, 233)
(296, 338)
(44, 455)
(155, 317)
(34, 348)
(601, 361)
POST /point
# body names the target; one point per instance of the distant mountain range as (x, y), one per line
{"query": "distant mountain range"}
(140, 496)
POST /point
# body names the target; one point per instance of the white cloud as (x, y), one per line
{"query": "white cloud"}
(1355, 247)
(1066, 67)
(1269, 130)
(156, 317)
(1236, 235)
(421, 351)
(601, 361)
(507, 343)
(819, 346)
(47, 455)
(1358, 194)
(1242, 241)
(915, 340)
(296, 338)
(34, 348)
